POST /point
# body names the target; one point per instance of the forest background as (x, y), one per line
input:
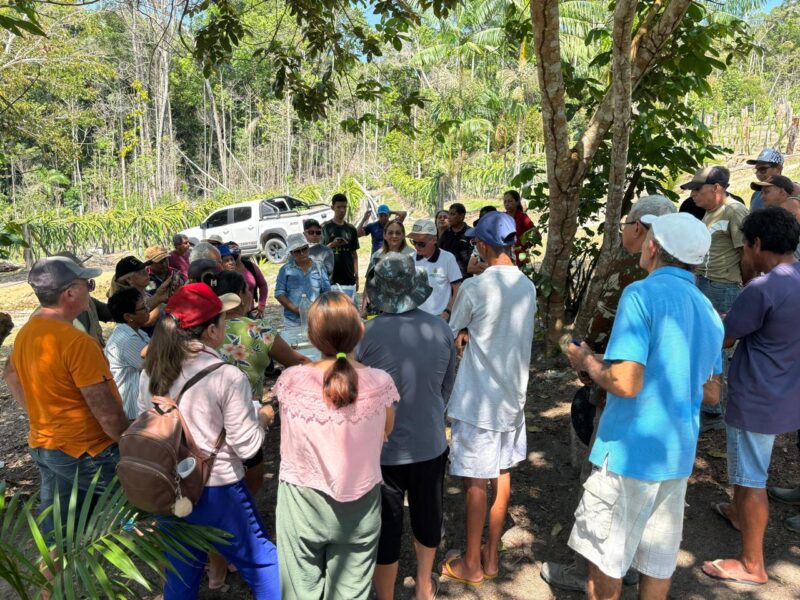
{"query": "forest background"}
(121, 122)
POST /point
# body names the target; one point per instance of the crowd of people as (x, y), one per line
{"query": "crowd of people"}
(442, 337)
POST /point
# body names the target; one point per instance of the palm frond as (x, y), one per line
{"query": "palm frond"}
(101, 550)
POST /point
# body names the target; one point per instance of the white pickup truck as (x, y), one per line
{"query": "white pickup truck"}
(261, 226)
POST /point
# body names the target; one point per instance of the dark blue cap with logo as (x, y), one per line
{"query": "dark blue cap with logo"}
(495, 228)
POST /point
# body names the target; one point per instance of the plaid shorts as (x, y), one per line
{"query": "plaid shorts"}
(623, 522)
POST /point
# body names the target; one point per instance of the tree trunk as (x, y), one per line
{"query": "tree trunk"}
(621, 90)
(567, 167)
(220, 136)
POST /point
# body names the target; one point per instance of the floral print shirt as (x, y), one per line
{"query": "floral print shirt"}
(246, 346)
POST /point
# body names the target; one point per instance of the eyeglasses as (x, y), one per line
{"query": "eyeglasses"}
(622, 224)
(90, 284)
(300, 250)
(313, 232)
(419, 244)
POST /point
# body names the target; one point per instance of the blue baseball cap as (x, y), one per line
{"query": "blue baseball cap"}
(494, 228)
(224, 250)
(384, 209)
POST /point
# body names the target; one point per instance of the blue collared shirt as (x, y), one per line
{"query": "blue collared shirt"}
(293, 283)
(667, 325)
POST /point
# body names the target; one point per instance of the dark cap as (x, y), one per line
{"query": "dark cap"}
(57, 272)
(309, 223)
(775, 181)
(710, 176)
(126, 266)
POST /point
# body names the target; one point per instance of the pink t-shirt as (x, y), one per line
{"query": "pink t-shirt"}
(334, 451)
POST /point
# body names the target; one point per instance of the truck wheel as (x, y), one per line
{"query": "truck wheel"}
(275, 250)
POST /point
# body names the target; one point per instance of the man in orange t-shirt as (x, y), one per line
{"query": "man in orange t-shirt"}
(61, 379)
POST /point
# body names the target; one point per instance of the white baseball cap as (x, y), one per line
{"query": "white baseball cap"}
(682, 235)
(423, 227)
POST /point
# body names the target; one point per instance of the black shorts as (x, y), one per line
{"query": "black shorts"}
(424, 482)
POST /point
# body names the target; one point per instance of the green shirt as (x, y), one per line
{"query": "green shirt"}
(344, 272)
(724, 258)
(247, 345)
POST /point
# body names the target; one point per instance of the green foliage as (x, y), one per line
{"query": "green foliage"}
(117, 229)
(11, 239)
(101, 550)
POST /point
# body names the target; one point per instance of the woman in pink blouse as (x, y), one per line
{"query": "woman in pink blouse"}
(335, 415)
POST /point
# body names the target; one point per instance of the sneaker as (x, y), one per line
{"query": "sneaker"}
(785, 495)
(793, 523)
(711, 422)
(564, 577)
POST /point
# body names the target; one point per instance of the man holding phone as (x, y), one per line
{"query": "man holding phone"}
(342, 239)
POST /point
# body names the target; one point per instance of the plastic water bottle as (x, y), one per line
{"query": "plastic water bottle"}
(305, 304)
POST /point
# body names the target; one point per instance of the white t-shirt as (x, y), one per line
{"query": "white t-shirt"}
(498, 310)
(442, 271)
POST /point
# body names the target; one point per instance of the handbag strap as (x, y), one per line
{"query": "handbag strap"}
(186, 433)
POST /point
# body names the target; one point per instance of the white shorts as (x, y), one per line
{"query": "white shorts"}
(483, 453)
(623, 522)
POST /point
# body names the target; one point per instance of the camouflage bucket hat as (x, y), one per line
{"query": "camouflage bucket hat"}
(397, 285)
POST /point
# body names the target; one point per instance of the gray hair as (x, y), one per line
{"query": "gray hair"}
(49, 298)
(204, 250)
(667, 260)
(178, 239)
(651, 205)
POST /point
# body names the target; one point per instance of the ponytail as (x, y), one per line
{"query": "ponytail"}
(335, 328)
(169, 347)
(340, 382)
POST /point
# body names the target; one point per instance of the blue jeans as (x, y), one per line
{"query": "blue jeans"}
(58, 470)
(721, 295)
(232, 509)
(749, 454)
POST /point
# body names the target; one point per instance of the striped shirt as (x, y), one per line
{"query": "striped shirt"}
(124, 353)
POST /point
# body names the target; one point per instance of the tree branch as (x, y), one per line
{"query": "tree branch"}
(649, 47)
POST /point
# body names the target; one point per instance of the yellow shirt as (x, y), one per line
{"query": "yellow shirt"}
(53, 361)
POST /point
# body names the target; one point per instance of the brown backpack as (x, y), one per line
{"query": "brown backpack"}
(150, 450)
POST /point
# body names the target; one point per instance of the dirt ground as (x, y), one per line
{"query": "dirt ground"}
(545, 491)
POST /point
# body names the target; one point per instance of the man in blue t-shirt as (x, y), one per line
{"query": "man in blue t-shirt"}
(664, 347)
(375, 229)
(763, 382)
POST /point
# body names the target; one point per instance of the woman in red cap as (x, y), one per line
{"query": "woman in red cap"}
(182, 346)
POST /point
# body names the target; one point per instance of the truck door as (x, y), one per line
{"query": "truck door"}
(244, 229)
(217, 224)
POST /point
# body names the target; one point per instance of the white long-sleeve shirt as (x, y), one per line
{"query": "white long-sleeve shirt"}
(221, 399)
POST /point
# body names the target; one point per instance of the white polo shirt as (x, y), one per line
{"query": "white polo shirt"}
(442, 271)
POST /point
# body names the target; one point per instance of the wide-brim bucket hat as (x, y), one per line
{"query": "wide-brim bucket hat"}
(397, 285)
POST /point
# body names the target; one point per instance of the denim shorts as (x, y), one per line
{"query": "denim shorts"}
(749, 454)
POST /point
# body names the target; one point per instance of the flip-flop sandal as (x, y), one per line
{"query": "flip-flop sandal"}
(725, 575)
(447, 571)
(717, 508)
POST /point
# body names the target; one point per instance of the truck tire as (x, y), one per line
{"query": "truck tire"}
(275, 250)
